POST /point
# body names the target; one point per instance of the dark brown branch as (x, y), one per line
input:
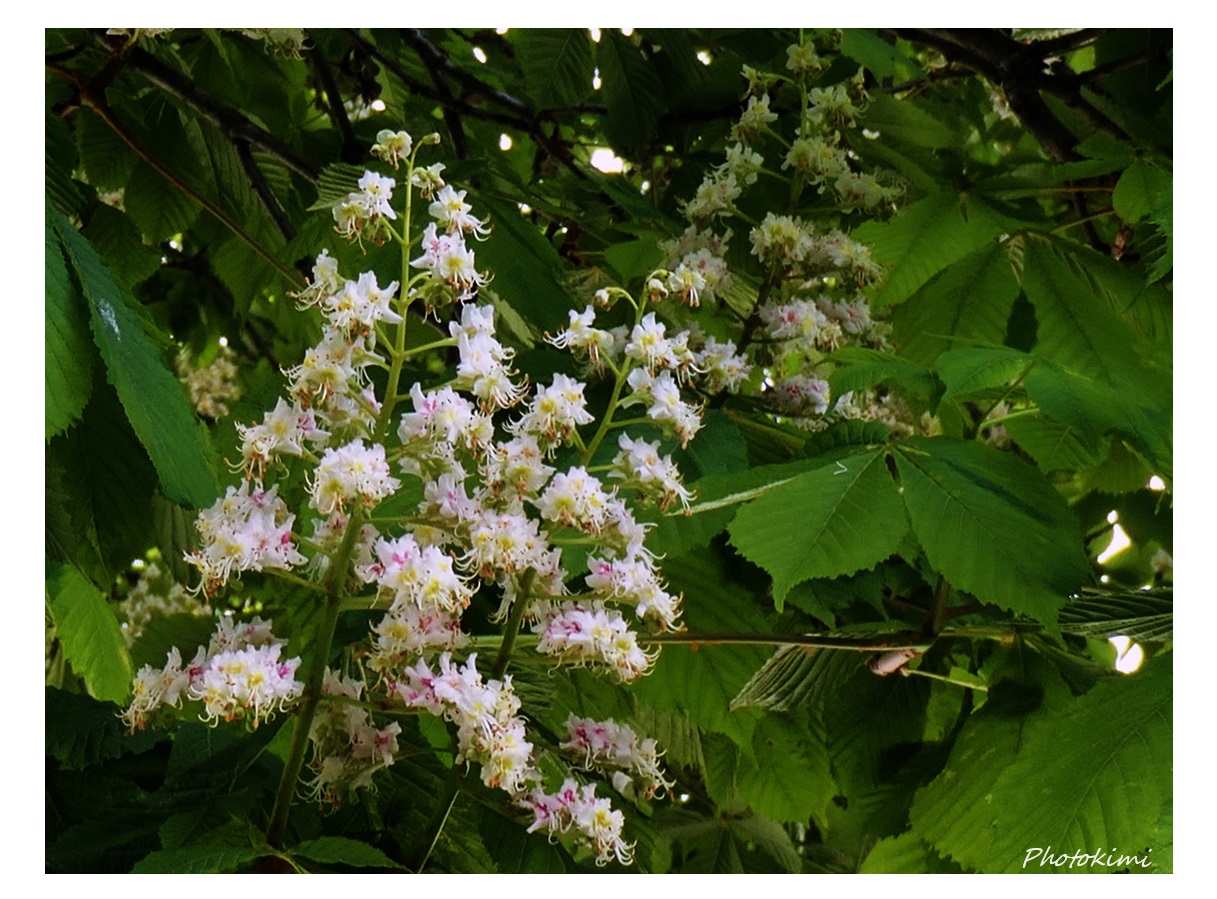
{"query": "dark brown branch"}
(436, 63)
(437, 60)
(1067, 42)
(351, 150)
(258, 182)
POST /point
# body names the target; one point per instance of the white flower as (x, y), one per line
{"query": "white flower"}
(392, 146)
(249, 529)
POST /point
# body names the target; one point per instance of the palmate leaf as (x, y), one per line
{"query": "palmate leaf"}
(849, 517)
(1077, 326)
(699, 681)
(1054, 445)
(859, 368)
(906, 854)
(1108, 780)
(526, 267)
(1140, 189)
(992, 525)
(199, 860)
(155, 403)
(1094, 407)
(80, 731)
(343, 851)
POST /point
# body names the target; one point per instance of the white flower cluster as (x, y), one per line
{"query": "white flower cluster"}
(249, 529)
(359, 212)
(489, 731)
(575, 808)
(212, 386)
(238, 676)
(589, 634)
(617, 750)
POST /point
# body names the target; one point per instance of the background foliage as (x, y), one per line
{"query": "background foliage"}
(1028, 263)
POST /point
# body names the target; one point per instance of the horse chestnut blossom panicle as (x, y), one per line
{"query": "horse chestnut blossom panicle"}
(489, 516)
(656, 477)
(238, 676)
(361, 209)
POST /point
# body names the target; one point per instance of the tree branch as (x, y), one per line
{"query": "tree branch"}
(436, 61)
(351, 151)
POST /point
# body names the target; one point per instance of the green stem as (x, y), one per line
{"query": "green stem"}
(511, 629)
(942, 593)
(1021, 413)
(909, 672)
(335, 587)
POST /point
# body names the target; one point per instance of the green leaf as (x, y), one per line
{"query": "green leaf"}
(631, 89)
(89, 633)
(1093, 407)
(155, 403)
(1109, 778)
(882, 58)
(1140, 189)
(80, 731)
(907, 123)
(199, 860)
(106, 158)
(634, 259)
(992, 525)
(1077, 327)
(973, 369)
(515, 851)
(859, 368)
(343, 851)
(906, 854)
(772, 839)
(786, 777)
(68, 354)
(334, 183)
(795, 677)
(557, 64)
(526, 267)
(1053, 445)
(968, 301)
(924, 239)
(1144, 616)
(850, 519)
(698, 682)
(1163, 215)
(159, 209)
